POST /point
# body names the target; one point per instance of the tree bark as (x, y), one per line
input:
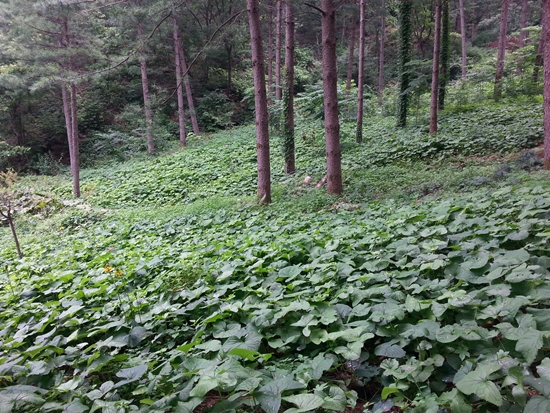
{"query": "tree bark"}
(538, 59)
(260, 98)
(332, 124)
(179, 82)
(545, 39)
(288, 95)
(75, 156)
(463, 35)
(270, 54)
(361, 73)
(405, 30)
(145, 90)
(435, 68)
(278, 46)
(69, 125)
(497, 94)
(381, 54)
(350, 58)
(445, 52)
(189, 92)
(229, 52)
(523, 33)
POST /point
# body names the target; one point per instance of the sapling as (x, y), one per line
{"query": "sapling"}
(7, 179)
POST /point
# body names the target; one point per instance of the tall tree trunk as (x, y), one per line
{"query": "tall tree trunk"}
(229, 52)
(145, 89)
(330, 92)
(270, 54)
(538, 59)
(350, 58)
(75, 157)
(189, 93)
(501, 50)
(69, 124)
(70, 112)
(405, 31)
(361, 73)
(278, 46)
(545, 39)
(179, 82)
(288, 95)
(435, 68)
(463, 35)
(381, 54)
(260, 98)
(445, 45)
(523, 33)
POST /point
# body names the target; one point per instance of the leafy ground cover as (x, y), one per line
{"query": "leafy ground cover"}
(171, 291)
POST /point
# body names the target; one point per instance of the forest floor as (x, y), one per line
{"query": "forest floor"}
(167, 288)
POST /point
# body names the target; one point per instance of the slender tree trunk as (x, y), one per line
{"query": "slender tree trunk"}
(270, 55)
(145, 89)
(229, 52)
(278, 47)
(69, 124)
(179, 82)
(445, 44)
(14, 232)
(463, 35)
(523, 33)
(381, 54)
(435, 68)
(260, 98)
(332, 124)
(405, 30)
(501, 50)
(350, 58)
(361, 73)
(189, 93)
(75, 156)
(538, 59)
(545, 39)
(288, 95)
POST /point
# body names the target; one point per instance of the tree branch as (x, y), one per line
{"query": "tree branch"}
(232, 18)
(315, 7)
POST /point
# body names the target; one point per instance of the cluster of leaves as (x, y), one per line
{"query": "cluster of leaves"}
(437, 305)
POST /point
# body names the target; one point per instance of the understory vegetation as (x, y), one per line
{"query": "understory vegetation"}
(425, 288)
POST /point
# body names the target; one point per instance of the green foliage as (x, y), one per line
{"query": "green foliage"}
(271, 309)
(47, 164)
(405, 33)
(8, 151)
(214, 111)
(169, 288)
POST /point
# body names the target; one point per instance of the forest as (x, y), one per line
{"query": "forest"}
(276, 206)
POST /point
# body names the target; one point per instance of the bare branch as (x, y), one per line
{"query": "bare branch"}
(231, 19)
(315, 7)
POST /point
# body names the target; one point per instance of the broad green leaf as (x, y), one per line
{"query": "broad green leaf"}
(529, 344)
(544, 368)
(204, 385)
(305, 402)
(336, 399)
(456, 402)
(130, 375)
(245, 353)
(389, 350)
(386, 391)
(477, 382)
(76, 407)
(537, 404)
(541, 385)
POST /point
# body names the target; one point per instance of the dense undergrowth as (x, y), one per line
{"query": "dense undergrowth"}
(169, 290)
